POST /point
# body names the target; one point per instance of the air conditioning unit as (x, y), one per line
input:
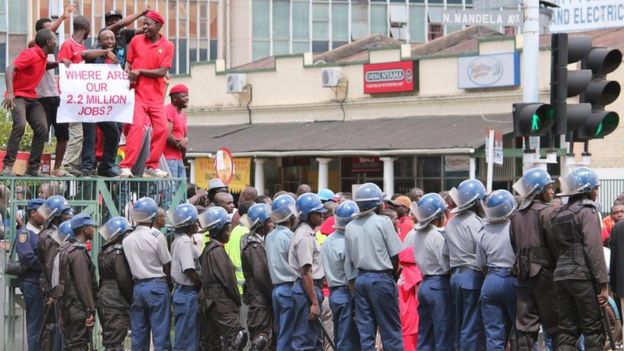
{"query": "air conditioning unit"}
(236, 82)
(331, 76)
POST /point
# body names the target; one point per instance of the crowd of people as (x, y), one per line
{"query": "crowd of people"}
(459, 270)
(88, 149)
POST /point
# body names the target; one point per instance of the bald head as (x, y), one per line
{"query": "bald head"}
(248, 194)
(225, 200)
(415, 194)
(303, 188)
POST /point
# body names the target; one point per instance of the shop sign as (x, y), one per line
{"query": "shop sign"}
(488, 71)
(365, 164)
(583, 15)
(390, 77)
(205, 169)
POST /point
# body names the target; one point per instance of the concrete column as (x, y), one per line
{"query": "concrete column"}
(259, 175)
(472, 171)
(191, 170)
(388, 175)
(323, 173)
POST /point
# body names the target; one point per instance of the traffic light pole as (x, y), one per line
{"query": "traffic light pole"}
(530, 68)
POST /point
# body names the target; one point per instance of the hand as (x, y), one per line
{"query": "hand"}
(603, 297)
(50, 301)
(148, 8)
(9, 101)
(183, 143)
(68, 11)
(134, 74)
(66, 62)
(90, 321)
(111, 55)
(167, 78)
(315, 312)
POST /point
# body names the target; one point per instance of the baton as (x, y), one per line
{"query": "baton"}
(607, 327)
(326, 334)
(45, 322)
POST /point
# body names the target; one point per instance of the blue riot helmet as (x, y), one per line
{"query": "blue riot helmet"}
(65, 231)
(184, 215)
(579, 180)
(114, 227)
(532, 183)
(214, 219)
(466, 194)
(258, 214)
(345, 213)
(326, 195)
(498, 205)
(368, 196)
(309, 203)
(430, 207)
(53, 207)
(144, 211)
(283, 208)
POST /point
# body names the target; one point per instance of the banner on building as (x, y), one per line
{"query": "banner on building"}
(205, 170)
(390, 77)
(583, 15)
(488, 71)
(93, 93)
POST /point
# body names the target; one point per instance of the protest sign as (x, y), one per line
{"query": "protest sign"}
(93, 93)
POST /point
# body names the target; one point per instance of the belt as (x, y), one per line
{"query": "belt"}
(389, 271)
(162, 279)
(317, 282)
(499, 269)
(460, 269)
(339, 287)
(280, 284)
(427, 276)
(184, 287)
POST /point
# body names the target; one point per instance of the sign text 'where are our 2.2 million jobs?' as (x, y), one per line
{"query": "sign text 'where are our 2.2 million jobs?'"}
(92, 93)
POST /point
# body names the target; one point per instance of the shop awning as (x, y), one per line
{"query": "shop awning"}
(379, 137)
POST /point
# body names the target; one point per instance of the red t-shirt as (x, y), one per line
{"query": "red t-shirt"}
(71, 50)
(408, 299)
(328, 226)
(179, 131)
(30, 65)
(145, 54)
(405, 225)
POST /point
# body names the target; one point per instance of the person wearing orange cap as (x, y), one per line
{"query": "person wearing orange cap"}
(150, 56)
(402, 205)
(177, 140)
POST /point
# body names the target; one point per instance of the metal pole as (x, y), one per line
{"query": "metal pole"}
(530, 59)
(490, 160)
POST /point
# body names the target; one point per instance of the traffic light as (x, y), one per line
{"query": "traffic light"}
(532, 119)
(587, 119)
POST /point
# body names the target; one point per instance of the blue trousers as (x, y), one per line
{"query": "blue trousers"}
(466, 290)
(177, 168)
(34, 311)
(377, 306)
(307, 334)
(435, 315)
(186, 318)
(150, 311)
(342, 306)
(498, 308)
(283, 313)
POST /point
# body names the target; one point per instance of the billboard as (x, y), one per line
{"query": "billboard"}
(390, 77)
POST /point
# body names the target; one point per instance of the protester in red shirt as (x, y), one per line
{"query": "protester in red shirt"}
(408, 283)
(150, 56)
(177, 141)
(617, 214)
(21, 79)
(405, 223)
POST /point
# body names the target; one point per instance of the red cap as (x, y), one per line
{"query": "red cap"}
(178, 88)
(155, 16)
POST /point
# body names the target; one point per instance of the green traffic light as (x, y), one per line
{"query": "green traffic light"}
(535, 123)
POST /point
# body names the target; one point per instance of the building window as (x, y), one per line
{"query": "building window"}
(435, 31)
(261, 29)
(301, 26)
(281, 24)
(340, 23)
(379, 18)
(510, 31)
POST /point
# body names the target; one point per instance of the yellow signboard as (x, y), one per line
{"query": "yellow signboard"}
(205, 170)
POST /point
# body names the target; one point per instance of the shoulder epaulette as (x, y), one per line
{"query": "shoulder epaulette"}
(587, 203)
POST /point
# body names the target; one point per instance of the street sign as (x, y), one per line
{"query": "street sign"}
(482, 17)
(495, 4)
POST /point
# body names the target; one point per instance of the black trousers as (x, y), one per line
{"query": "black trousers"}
(579, 313)
(115, 325)
(27, 111)
(535, 306)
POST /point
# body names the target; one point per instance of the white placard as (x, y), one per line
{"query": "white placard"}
(93, 93)
(582, 15)
(488, 71)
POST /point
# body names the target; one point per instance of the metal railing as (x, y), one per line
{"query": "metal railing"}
(102, 198)
(609, 191)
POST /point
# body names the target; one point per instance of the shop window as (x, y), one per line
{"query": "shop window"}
(435, 31)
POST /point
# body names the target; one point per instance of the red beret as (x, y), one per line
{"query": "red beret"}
(155, 16)
(179, 88)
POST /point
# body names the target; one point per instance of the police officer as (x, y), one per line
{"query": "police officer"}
(150, 264)
(534, 266)
(304, 258)
(581, 271)
(435, 307)
(373, 246)
(54, 211)
(77, 286)
(338, 273)
(27, 251)
(494, 252)
(258, 287)
(185, 275)
(115, 293)
(284, 216)
(221, 325)
(462, 235)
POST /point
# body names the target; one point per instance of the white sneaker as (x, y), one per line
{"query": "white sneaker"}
(126, 173)
(154, 173)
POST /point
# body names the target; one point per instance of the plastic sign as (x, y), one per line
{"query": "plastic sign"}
(389, 77)
(488, 71)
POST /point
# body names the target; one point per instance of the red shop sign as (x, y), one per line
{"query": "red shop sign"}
(389, 77)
